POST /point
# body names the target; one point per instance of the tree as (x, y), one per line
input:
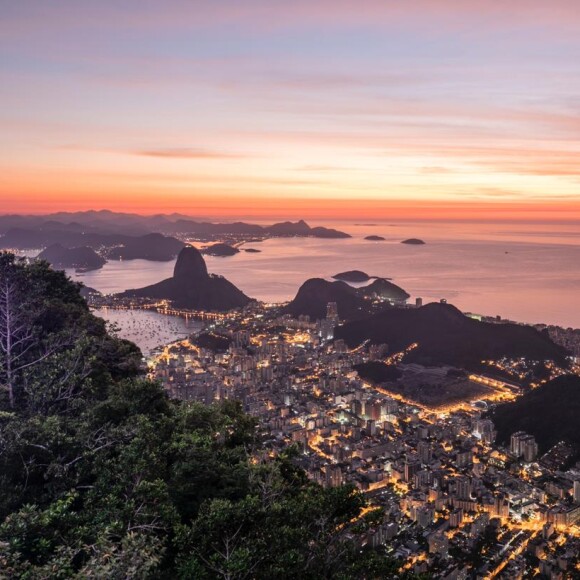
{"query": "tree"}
(102, 475)
(17, 328)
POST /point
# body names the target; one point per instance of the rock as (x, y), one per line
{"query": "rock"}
(193, 287)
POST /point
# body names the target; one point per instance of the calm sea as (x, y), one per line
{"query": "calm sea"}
(527, 272)
(148, 329)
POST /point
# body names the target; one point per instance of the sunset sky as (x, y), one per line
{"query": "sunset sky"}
(314, 108)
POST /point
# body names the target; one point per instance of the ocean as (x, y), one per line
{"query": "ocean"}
(528, 272)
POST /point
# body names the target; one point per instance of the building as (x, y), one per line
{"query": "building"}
(576, 491)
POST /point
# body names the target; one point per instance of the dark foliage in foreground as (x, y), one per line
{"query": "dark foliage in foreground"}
(101, 475)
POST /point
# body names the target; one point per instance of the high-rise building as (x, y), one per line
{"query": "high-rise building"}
(577, 491)
(463, 488)
(424, 452)
(411, 468)
(530, 449)
(456, 518)
(485, 430)
(332, 311)
(516, 443)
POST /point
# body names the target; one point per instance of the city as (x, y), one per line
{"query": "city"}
(452, 501)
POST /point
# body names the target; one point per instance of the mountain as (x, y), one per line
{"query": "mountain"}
(446, 336)
(382, 288)
(148, 247)
(282, 229)
(60, 257)
(220, 250)
(193, 287)
(109, 222)
(549, 413)
(155, 247)
(316, 293)
(353, 276)
(299, 228)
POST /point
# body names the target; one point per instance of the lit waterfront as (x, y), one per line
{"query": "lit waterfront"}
(149, 329)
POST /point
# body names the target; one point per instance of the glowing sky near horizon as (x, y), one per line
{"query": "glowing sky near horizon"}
(303, 107)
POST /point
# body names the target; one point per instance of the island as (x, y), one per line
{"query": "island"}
(82, 258)
(193, 287)
(413, 242)
(252, 250)
(353, 276)
(374, 238)
(220, 250)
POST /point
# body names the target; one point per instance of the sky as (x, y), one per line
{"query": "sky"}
(288, 108)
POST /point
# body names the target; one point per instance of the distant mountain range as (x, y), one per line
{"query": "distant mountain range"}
(191, 286)
(108, 222)
(446, 336)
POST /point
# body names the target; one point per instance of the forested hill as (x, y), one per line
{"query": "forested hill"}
(102, 476)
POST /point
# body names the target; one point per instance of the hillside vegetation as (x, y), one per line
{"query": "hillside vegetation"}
(102, 476)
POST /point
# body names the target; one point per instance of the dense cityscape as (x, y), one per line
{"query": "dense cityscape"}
(455, 503)
(289, 290)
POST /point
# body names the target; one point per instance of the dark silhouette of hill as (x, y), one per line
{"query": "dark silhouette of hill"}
(148, 247)
(154, 247)
(220, 250)
(374, 238)
(314, 295)
(550, 413)
(446, 336)
(382, 288)
(60, 257)
(193, 287)
(353, 303)
(353, 276)
(413, 242)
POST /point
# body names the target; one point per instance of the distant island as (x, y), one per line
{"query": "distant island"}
(252, 250)
(413, 242)
(193, 287)
(82, 258)
(220, 250)
(353, 276)
(374, 238)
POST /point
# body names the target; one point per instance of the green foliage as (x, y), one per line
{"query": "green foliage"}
(101, 475)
